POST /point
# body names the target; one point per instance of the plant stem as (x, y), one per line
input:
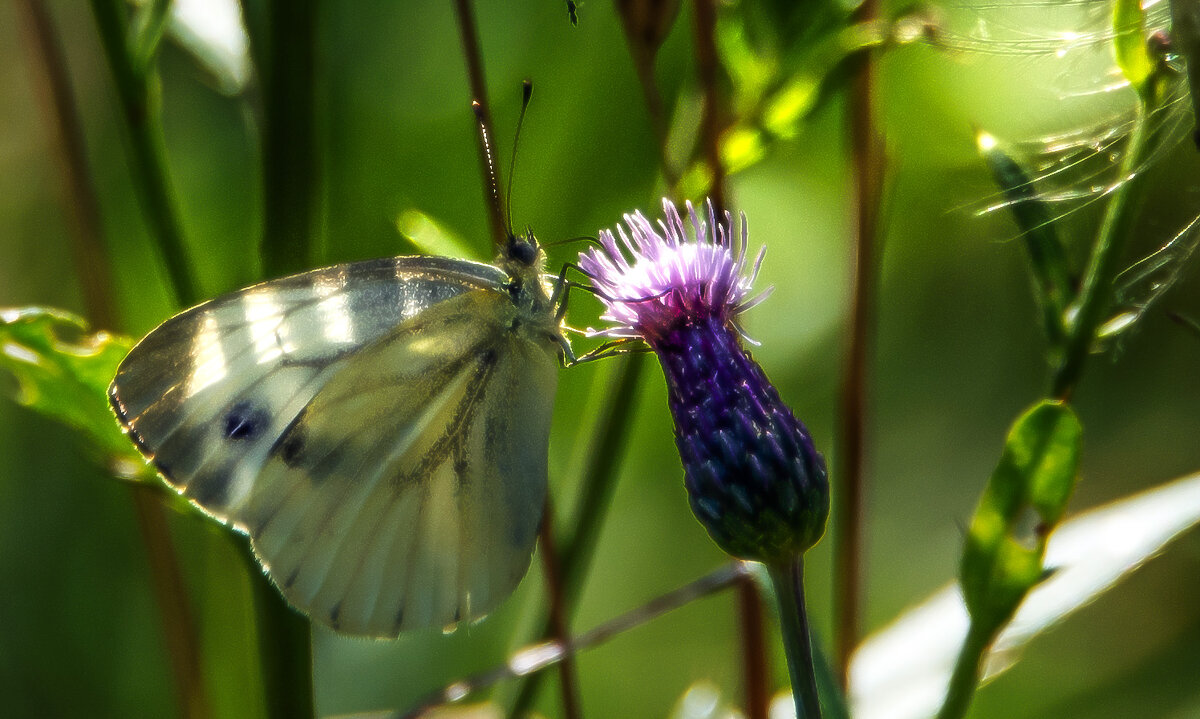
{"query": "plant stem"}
(58, 105)
(284, 47)
(468, 30)
(539, 656)
(787, 576)
(560, 625)
(849, 491)
(284, 644)
(599, 480)
(92, 269)
(140, 99)
(710, 120)
(965, 679)
(1115, 230)
(756, 691)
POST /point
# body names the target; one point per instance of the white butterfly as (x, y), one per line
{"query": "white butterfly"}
(378, 428)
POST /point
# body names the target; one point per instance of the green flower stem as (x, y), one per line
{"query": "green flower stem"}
(598, 483)
(284, 638)
(787, 576)
(284, 645)
(1096, 294)
(139, 94)
(965, 679)
(283, 37)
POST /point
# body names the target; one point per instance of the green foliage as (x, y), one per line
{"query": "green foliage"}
(1129, 43)
(63, 371)
(1023, 502)
(1052, 277)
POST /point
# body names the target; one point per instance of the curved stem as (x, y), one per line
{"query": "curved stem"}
(598, 483)
(965, 679)
(1115, 230)
(788, 579)
(848, 526)
(137, 90)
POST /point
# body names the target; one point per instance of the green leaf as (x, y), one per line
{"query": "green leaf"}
(1129, 43)
(431, 238)
(1023, 501)
(63, 372)
(1047, 257)
(901, 671)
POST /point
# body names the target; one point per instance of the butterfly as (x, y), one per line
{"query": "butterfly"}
(379, 429)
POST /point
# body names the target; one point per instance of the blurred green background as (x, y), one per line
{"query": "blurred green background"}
(956, 356)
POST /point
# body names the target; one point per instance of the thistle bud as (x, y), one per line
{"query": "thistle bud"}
(753, 477)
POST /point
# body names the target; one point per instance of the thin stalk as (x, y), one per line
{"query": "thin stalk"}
(468, 31)
(284, 644)
(174, 605)
(1096, 293)
(787, 577)
(848, 523)
(755, 689)
(599, 481)
(710, 120)
(58, 105)
(285, 52)
(965, 679)
(139, 96)
(92, 269)
(560, 624)
(533, 659)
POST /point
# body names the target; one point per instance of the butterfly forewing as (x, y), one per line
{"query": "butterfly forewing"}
(379, 429)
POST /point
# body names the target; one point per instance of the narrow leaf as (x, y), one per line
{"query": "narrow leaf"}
(1047, 257)
(901, 672)
(1129, 43)
(63, 372)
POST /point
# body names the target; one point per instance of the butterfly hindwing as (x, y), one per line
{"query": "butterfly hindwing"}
(379, 429)
(406, 493)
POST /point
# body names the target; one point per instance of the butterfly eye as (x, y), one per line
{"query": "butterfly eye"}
(522, 251)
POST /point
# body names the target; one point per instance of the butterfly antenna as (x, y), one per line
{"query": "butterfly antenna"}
(526, 94)
(489, 153)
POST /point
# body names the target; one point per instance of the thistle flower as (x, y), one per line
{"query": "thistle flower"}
(753, 477)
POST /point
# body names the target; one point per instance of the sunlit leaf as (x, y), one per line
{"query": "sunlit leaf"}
(431, 238)
(1023, 501)
(1129, 42)
(63, 372)
(902, 671)
(1047, 257)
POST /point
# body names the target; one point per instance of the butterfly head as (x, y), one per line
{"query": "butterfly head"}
(521, 256)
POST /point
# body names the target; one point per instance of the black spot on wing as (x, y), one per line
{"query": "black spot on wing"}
(335, 616)
(399, 620)
(245, 421)
(291, 445)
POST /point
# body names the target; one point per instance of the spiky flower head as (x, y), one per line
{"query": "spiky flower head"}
(753, 477)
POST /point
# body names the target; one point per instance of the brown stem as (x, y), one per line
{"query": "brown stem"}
(755, 670)
(560, 632)
(469, 35)
(710, 120)
(539, 656)
(58, 104)
(868, 161)
(175, 611)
